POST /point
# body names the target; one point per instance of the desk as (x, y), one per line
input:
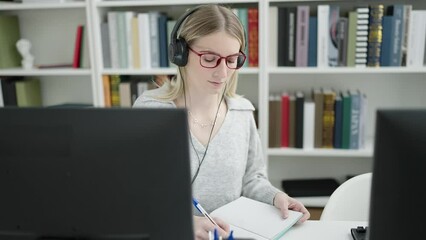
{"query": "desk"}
(322, 230)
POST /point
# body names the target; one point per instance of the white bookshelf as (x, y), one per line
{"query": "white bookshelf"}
(51, 29)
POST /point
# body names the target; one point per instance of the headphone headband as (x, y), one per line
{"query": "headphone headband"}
(178, 47)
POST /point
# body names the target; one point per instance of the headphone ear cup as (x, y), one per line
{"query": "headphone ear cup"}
(240, 61)
(178, 52)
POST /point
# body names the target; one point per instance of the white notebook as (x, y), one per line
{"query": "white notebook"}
(252, 219)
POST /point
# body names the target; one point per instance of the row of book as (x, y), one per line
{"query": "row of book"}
(20, 92)
(123, 90)
(10, 34)
(326, 119)
(372, 35)
(140, 40)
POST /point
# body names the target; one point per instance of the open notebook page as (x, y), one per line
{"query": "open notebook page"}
(256, 218)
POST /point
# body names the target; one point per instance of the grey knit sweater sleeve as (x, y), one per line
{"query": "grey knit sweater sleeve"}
(233, 165)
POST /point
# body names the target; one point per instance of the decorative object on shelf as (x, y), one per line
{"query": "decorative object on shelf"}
(24, 46)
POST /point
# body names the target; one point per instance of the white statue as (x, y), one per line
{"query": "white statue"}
(24, 46)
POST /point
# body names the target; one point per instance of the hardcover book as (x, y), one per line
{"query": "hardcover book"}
(9, 35)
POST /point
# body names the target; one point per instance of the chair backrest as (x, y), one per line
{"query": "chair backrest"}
(350, 201)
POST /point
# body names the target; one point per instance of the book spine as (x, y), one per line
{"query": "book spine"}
(332, 38)
(342, 41)
(77, 48)
(328, 119)
(300, 99)
(355, 112)
(272, 119)
(416, 40)
(346, 120)
(128, 16)
(9, 35)
(106, 53)
(388, 28)
(352, 24)
(397, 12)
(285, 110)
(319, 106)
(243, 15)
(122, 39)
(282, 35)
(302, 36)
(155, 47)
(253, 23)
(136, 59)
(162, 30)
(115, 91)
(292, 122)
(1, 95)
(144, 40)
(308, 125)
(338, 116)
(361, 40)
(113, 38)
(404, 38)
(106, 82)
(312, 52)
(375, 35)
(273, 36)
(322, 46)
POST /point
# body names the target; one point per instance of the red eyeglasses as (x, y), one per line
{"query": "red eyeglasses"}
(212, 60)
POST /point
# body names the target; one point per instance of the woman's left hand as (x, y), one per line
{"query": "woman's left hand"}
(283, 202)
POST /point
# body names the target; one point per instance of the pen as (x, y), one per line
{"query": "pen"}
(201, 209)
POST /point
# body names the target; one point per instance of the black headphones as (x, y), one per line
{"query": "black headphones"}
(178, 47)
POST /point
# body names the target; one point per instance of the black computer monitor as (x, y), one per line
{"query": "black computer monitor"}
(94, 174)
(398, 195)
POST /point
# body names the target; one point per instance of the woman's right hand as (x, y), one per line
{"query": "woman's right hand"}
(202, 226)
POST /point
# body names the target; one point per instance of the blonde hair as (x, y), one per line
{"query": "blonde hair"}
(207, 19)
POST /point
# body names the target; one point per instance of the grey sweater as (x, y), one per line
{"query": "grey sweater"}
(233, 165)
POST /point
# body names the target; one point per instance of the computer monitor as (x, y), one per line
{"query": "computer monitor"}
(94, 174)
(398, 195)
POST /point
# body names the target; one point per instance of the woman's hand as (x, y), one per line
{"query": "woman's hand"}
(283, 202)
(202, 226)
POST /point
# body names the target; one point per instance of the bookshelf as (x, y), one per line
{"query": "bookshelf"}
(51, 29)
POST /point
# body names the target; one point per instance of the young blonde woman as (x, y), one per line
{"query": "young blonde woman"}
(207, 44)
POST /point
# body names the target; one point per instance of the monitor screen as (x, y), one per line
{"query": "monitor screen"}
(94, 174)
(398, 195)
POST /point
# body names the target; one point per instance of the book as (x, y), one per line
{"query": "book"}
(312, 39)
(78, 46)
(253, 37)
(322, 35)
(274, 117)
(286, 36)
(308, 124)
(9, 35)
(1, 96)
(273, 36)
(302, 36)
(254, 219)
(28, 93)
(300, 100)
(285, 110)
(106, 53)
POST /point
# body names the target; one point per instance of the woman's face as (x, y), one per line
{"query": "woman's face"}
(213, 46)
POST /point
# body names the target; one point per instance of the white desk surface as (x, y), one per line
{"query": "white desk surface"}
(322, 230)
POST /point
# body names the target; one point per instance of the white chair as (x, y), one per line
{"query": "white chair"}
(350, 201)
